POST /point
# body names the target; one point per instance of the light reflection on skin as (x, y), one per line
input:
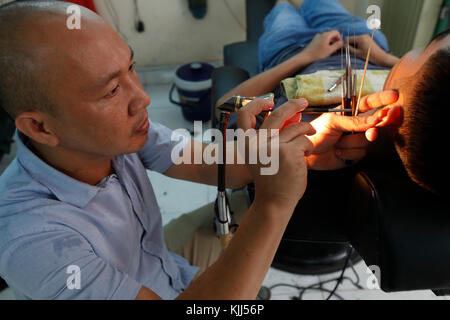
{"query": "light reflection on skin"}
(406, 71)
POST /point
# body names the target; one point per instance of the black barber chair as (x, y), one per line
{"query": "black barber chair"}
(7, 129)
(394, 225)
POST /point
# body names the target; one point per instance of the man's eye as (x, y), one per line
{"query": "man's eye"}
(113, 92)
(132, 67)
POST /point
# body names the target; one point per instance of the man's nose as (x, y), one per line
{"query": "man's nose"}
(139, 101)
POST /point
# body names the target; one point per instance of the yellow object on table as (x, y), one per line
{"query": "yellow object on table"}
(314, 87)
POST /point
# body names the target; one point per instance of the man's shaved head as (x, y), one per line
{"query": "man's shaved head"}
(25, 51)
(73, 92)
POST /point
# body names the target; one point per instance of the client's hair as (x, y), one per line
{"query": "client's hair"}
(422, 140)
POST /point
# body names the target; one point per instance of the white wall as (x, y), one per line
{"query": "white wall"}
(172, 34)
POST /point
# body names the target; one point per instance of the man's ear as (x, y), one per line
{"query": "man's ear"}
(34, 125)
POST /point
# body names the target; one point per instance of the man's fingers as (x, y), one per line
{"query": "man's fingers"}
(334, 36)
(352, 147)
(247, 115)
(338, 44)
(358, 39)
(293, 131)
(389, 115)
(351, 154)
(372, 134)
(304, 144)
(353, 40)
(353, 50)
(257, 106)
(334, 39)
(297, 118)
(378, 100)
(354, 141)
(392, 115)
(352, 124)
(282, 114)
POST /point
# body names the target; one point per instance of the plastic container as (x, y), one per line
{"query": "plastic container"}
(193, 84)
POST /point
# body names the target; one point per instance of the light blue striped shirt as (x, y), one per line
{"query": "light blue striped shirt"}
(110, 234)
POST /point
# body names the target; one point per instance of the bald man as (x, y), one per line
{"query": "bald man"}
(78, 215)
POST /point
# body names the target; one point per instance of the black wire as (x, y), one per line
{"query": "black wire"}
(356, 283)
(284, 285)
(313, 287)
(349, 254)
(137, 15)
(319, 286)
(321, 289)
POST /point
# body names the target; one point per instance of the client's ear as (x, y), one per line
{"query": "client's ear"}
(391, 116)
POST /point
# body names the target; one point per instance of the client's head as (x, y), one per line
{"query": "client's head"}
(71, 89)
(423, 80)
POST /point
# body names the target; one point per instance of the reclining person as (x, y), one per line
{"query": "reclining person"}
(307, 39)
(77, 201)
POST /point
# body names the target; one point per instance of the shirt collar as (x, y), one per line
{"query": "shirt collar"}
(65, 188)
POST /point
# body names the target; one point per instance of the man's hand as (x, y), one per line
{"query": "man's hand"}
(391, 114)
(323, 45)
(360, 46)
(288, 185)
(332, 148)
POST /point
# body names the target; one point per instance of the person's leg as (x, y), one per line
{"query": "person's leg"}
(192, 235)
(284, 26)
(325, 15)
